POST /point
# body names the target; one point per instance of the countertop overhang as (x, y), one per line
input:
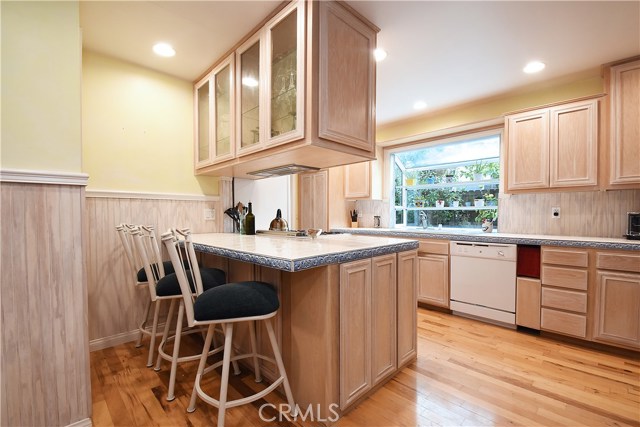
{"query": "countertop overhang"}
(299, 253)
(509, 238)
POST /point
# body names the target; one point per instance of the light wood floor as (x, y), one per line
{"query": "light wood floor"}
(467, 373)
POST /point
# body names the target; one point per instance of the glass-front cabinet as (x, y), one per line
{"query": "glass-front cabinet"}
(285, 53)
(271, 76)
(214, 119)
(250, 75)
(203, 130)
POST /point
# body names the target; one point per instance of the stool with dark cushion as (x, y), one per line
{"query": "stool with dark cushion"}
(125, 231)
(166, 287)
(226, 305)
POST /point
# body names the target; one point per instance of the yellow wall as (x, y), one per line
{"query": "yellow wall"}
(137, 129)
(41, 68)
(490, 109)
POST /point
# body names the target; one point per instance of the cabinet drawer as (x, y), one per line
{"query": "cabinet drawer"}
(573, 257)
(440, 247)
(572, 278)
(618, 261)
(564, 323)
(564, 300)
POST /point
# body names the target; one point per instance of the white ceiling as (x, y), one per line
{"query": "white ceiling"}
(443, 52)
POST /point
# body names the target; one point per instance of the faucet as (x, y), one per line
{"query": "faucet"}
(423, 219)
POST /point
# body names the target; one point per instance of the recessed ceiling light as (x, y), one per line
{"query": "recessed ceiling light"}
(534, 67)
(164, 49)
(249, 82)
(419, 105)
(379, 54)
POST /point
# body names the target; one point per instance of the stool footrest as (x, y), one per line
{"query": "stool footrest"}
(169, 357)
(236, 358)
(232, 403)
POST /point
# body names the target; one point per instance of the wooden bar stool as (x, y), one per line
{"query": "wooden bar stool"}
(166, 288)
(226, 305)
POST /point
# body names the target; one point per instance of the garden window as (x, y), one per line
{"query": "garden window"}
(448, 184)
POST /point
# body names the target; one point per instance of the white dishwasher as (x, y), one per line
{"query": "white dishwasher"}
(483, 281)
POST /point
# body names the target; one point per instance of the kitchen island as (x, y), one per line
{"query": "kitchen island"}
(347, 318)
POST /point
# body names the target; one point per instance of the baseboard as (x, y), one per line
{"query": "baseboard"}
(122, 338)
(82, 423)
(113, 340)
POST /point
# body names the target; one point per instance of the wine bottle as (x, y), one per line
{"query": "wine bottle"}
(250, 221)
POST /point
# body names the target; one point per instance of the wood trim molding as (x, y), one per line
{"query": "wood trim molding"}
(113, 194)
(23, 176)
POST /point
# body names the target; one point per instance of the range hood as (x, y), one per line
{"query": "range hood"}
(283, 170)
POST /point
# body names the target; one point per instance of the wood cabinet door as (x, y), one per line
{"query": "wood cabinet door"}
(355, 330)
(383, 317)
(305, 194)
(407, 306)
(574, 144)
(528, 302)
(346, 78)
(617, 309)
(624, 141)
(357, 181)
(433, 280)
(528, 150)
(313, 200)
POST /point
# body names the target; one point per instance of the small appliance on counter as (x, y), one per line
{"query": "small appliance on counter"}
(279, 223)
(633, 226)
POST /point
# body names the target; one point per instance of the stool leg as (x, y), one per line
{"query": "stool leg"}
(256, 366)
(165, 334)
(203, 362)
(236, 367)
(278, 357)
(154, 331)
(176, 353)
(143, 324)
(222, 408)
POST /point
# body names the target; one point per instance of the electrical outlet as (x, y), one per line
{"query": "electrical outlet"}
(555, 212)
(209, 214)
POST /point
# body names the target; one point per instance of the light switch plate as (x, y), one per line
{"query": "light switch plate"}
(209, 214)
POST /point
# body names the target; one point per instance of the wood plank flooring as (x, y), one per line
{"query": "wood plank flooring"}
(467, 373)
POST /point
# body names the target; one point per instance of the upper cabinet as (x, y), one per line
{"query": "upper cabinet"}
(357, 181)
(214, 101)
(555, 147)
(624, 124)
(303, 93)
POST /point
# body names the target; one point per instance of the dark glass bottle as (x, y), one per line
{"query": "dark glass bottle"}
(250, 222)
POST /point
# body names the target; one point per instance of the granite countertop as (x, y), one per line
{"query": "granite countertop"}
(479, 236)
(299, 253)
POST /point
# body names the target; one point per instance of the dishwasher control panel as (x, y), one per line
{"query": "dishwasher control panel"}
(484, 250)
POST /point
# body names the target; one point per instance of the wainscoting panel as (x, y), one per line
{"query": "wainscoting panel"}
(116, 306)
(45, 359)
(588, 213)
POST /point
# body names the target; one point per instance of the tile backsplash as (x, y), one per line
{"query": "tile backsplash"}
(585, 214)
(367, 209)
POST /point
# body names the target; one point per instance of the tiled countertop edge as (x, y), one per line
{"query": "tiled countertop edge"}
(491, 238)
(308, 262)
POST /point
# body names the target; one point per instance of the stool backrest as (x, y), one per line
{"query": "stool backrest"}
(124, 231)
(147, 247)
(185, 263)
